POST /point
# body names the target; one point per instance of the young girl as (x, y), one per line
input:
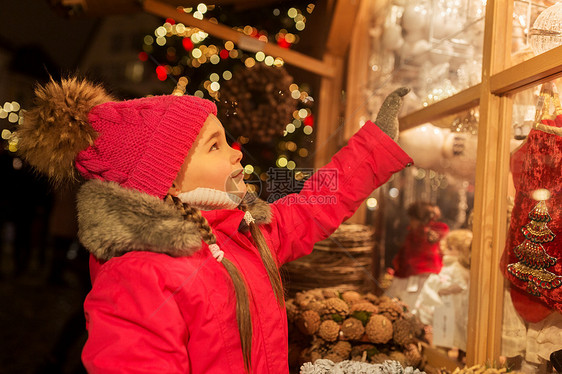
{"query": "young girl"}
(184, 262)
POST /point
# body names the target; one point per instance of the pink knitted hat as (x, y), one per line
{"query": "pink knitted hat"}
(140, 144)
(143, 143)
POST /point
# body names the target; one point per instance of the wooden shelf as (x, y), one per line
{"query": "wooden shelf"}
(532, 72)
(460, 101)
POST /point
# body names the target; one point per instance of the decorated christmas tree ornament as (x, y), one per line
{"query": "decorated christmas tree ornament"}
(533, 259)
(546, 32)
(459, 149)
(424, 144)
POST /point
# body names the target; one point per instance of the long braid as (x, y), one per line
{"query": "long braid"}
(269, 262)
(243, 316)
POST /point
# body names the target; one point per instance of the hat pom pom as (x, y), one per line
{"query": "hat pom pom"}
(57, 128)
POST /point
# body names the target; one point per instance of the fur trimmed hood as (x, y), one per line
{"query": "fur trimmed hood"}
(114, 220)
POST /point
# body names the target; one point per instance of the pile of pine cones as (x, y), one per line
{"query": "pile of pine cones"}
(328, 324)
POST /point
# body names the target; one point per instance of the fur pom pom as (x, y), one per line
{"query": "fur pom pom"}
(57, 129)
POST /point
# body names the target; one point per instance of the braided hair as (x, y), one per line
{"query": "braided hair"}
(268, 260)
(243, 316)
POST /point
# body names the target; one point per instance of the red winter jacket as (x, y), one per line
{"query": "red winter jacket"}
(162, 304)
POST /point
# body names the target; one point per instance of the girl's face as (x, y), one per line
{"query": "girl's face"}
(211, 163)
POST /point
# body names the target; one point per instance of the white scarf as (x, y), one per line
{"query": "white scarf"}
(209, 199)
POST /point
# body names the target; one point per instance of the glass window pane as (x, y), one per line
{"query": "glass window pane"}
(434, 47)
(428, 229)
(531, 261)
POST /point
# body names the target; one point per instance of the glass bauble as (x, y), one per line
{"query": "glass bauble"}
(547, 30)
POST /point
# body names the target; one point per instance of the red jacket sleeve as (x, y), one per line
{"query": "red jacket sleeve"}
(134, 324)
(333, 193)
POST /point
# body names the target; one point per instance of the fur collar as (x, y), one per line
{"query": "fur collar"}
(113, 220)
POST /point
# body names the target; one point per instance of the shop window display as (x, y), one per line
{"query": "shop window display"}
(531, 257)
(435, 47)
(531, 260)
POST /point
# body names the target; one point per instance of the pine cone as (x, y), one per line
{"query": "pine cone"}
(357, 351)
(398, 356)
(383, 299)
(364, 307)
(352, 329)
(336, 306)
(330, 292)
(379, 329)
(303, 298)
(416, 325)
(351, 297)
(329, 330)
(379, 358)
(403, 334)
(342, 349)
(308, 322)
(413, 356)
(316, 306)
(390, 310)
(316, 293)
(372, 298)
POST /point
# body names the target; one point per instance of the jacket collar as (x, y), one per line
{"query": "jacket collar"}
(113, 220)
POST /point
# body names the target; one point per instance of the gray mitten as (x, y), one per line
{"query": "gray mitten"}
(387, 118)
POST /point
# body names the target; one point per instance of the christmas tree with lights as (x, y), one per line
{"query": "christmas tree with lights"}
(533, 259)
(265, 113)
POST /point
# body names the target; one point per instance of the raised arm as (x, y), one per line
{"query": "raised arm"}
(334, 192)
